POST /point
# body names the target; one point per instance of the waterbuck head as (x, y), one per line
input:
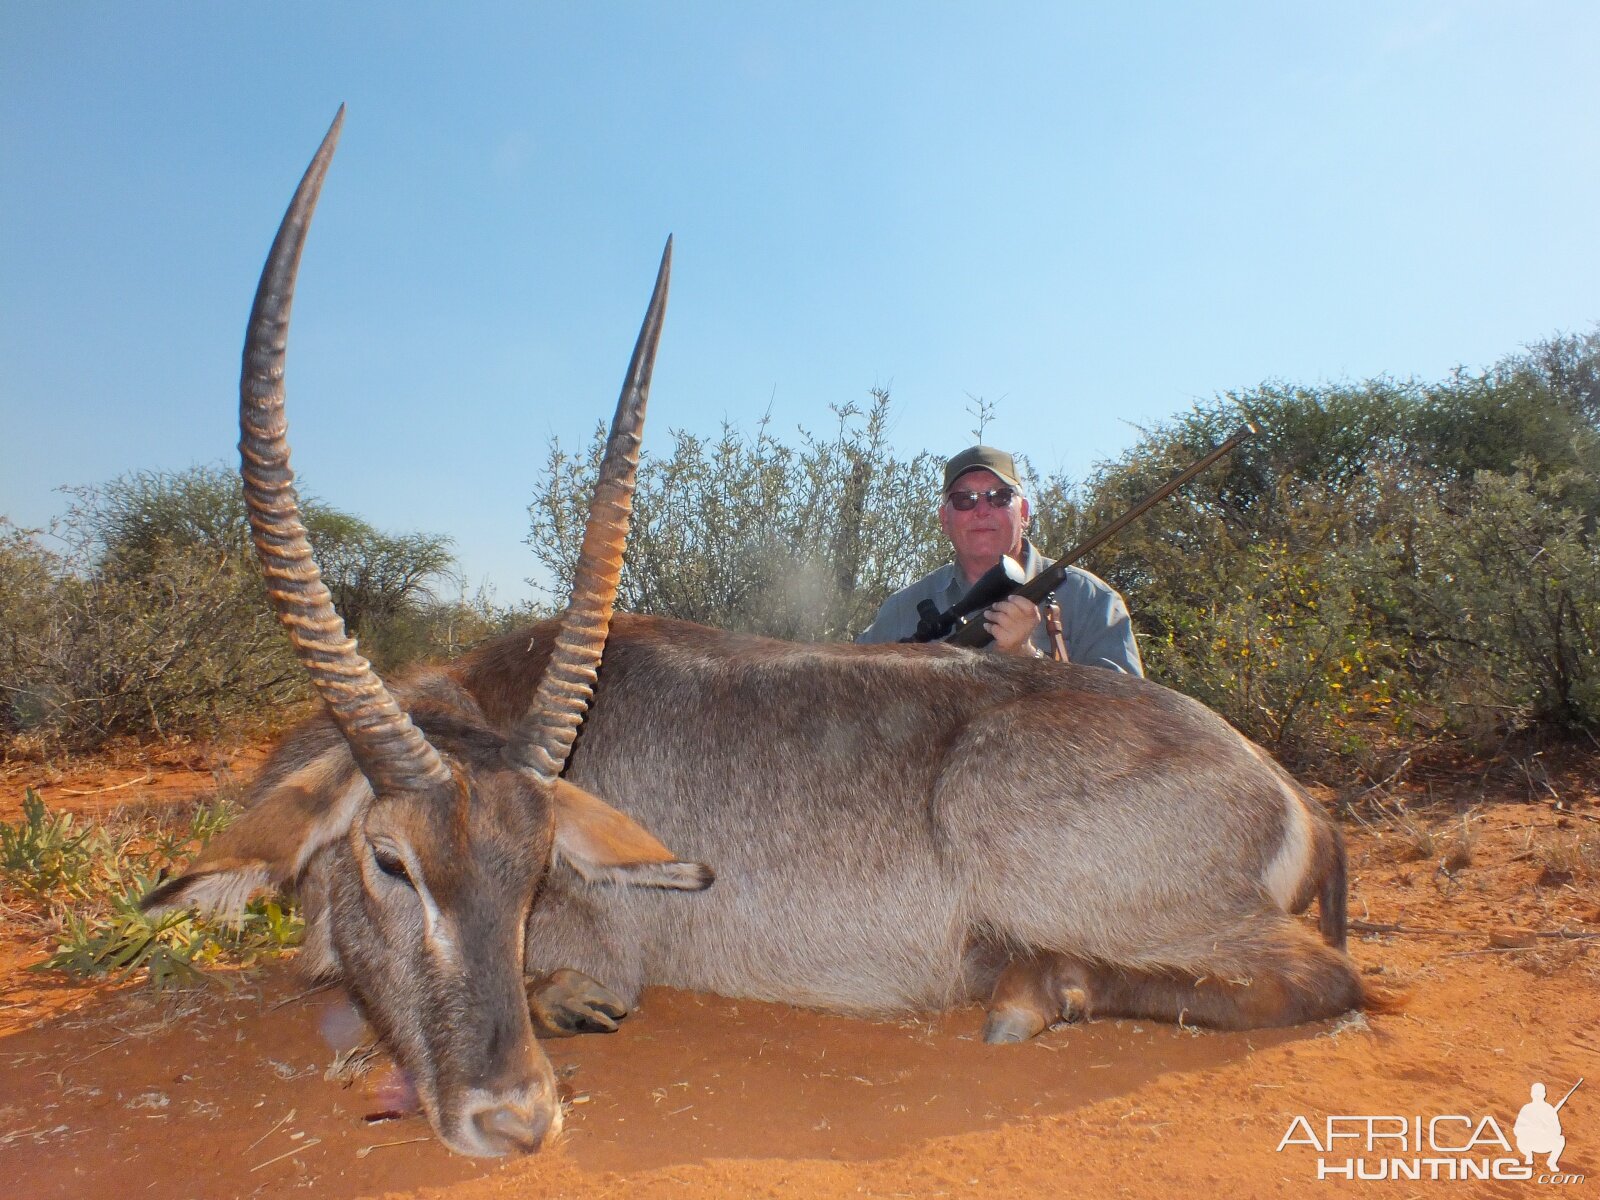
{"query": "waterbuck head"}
(418, 858)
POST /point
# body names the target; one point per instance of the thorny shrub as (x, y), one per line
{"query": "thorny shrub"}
(152, 619)
(747, 533)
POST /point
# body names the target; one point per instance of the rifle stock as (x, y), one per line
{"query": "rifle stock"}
(972, 632)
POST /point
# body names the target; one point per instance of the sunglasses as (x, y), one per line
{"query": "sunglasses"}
(999, 497)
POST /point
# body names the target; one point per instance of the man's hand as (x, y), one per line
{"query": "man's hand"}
(1011, 623)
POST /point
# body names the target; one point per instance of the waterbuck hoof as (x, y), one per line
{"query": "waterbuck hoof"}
(1006, 1026)
(1074, 1005)
(566, 1003)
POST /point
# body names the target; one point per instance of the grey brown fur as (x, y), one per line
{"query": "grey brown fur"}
(883, 819)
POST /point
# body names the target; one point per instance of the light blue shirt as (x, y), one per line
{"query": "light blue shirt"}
(1093, 617)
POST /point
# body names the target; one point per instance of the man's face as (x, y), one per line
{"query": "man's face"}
(983, 533)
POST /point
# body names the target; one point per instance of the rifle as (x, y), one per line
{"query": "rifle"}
(1568, 1096)
(970, 631)
(998, 582)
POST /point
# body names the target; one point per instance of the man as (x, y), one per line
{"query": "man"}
(985, 515)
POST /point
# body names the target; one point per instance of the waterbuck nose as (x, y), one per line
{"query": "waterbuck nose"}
(516, 1126)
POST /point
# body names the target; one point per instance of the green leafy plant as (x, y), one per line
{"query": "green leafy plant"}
(44, 855)
(85, 883)
(172, 948)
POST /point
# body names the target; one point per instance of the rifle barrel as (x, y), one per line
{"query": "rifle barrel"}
(1570, 1090)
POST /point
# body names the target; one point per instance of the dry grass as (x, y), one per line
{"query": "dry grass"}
(1407, 836)
(1567, 858)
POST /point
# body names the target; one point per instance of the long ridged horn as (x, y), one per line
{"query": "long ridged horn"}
(544, 736)
(391, 752)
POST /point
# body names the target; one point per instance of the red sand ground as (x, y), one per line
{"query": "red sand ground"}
(116, 1091)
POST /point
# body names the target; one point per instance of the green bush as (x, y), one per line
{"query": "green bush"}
(747, 533)
(1383, 558)
(1282, 649)
(181, 649)
(1504, 598)
(153, 620)
(434, 629)
(128, 526)
(28, 574)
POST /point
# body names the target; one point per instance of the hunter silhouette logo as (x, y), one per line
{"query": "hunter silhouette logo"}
(1538, 1127)
(1447, 1146)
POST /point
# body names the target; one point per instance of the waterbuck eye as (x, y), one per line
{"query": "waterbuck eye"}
(392, 865)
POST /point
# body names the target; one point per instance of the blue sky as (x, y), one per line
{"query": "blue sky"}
(1091, 215)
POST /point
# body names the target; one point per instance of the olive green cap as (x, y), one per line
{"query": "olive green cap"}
(982, 458)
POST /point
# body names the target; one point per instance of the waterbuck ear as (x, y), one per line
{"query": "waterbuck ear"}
(605, 846)
(270, 845)
(220, 889)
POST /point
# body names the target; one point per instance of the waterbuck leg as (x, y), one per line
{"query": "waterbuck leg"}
(1034, 992)
(1297, 980)
(566, 1003)
(1266, 973)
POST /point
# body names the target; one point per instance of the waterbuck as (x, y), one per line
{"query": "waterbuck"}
(892, 828)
